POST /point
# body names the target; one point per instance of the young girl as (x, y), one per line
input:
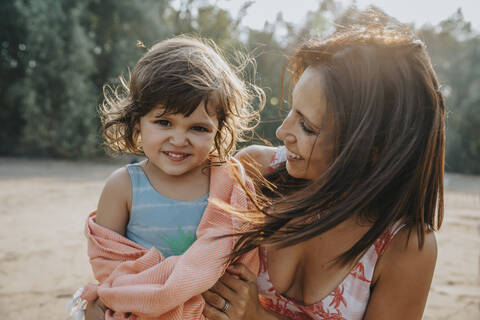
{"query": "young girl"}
(185, 110)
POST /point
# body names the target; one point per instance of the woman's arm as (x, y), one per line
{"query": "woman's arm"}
(402, 278)
(95, 310)
(238, 286)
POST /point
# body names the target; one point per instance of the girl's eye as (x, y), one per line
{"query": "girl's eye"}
(200, 129)
(307, 129)
(163, 123)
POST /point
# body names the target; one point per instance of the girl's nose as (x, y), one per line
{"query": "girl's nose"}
(178, 139)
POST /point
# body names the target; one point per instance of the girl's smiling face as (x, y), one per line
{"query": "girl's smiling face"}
(307, 131)
(179, 145)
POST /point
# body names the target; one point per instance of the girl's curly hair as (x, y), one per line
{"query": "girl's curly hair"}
(179, 74)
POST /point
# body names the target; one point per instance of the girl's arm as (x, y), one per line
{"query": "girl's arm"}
(112, 213)
(402, 278)
(115, 202)
(260, 157)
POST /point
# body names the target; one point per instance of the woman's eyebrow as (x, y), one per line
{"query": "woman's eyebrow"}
(300, 114)
(304, 118)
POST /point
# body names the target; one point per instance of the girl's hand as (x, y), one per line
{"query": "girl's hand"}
(95, 310)
(236, 291)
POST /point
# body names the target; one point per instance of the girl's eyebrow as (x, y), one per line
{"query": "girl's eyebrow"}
(159, 114)
(198, 123)
(203, 124)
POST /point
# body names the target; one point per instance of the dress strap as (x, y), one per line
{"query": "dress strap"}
(137, 175)
(382, 243)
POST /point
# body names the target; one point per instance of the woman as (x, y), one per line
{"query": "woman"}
(364, 145)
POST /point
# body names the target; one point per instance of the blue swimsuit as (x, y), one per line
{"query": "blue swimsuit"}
(157, 221)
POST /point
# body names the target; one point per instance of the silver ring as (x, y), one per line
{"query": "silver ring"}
(226, 306)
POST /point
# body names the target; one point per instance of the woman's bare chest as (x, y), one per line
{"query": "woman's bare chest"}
(303, 279)
(306, 272)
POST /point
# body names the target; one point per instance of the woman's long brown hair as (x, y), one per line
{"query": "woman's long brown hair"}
(388, 162)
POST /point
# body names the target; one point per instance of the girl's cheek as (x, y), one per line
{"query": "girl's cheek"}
(203, 140)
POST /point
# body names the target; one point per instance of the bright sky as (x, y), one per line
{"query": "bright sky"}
(418, 11)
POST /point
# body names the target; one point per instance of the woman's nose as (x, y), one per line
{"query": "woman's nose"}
(284, 134)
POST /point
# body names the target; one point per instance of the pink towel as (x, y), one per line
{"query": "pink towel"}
(134, 279)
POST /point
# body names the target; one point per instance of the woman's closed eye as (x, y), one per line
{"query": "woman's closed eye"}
(306, 128)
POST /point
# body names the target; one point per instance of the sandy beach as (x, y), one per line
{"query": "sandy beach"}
(43, 251)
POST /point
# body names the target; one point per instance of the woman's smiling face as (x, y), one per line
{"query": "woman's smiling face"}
(307, 131)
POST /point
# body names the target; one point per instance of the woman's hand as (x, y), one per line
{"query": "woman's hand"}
(234, 296)
(95, 310)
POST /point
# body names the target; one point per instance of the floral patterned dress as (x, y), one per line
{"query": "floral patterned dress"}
(348, 301)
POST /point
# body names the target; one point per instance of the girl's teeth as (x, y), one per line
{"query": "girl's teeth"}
(175, 155)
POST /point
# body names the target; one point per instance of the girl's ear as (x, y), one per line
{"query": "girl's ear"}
(137, 134)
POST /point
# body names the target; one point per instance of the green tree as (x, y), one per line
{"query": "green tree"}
(56, 55)
(59, 97)
(270, 59)
(271, 46)
(116, 27)
(12, 70)
(455, 51)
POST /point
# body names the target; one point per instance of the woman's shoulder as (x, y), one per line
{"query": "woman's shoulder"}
(402, 277)
(405, 256)
(258, 156)
(405, 243)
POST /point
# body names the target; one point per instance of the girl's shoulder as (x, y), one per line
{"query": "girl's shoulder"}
(118, 186)
(119, 178)
(260, 157)
(115, 201)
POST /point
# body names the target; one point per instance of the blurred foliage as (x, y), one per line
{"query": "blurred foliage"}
(56, 55)
(12, 71)
(455, 51)
(58, 98)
